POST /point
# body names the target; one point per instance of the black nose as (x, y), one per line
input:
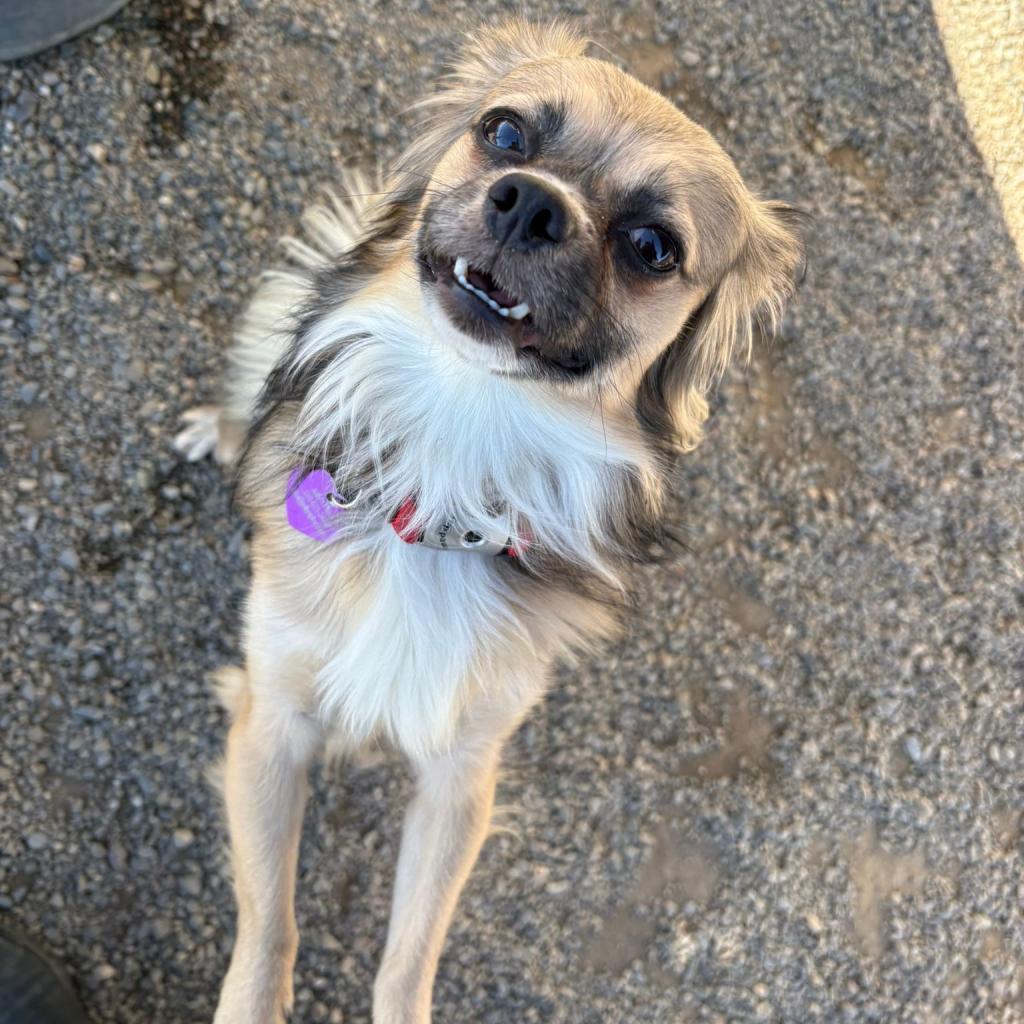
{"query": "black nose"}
(525, 213)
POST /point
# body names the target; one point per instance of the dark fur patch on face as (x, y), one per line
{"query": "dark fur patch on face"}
(564, 285)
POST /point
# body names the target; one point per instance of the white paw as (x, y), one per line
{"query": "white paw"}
(208, 431)
(200, 435)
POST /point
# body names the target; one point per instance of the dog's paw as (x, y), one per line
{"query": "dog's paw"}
(200, 434)
(207, 432)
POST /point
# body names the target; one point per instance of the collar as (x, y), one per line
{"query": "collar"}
(314, 507)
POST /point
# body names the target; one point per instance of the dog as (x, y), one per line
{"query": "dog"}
(454, 420)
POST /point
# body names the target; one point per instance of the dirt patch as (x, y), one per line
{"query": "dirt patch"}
(747, 611)
(1006, 828)
(623, 937)
(189, 72)
(746, 746)
(679, 867)
(766, 421)
(651, 62)
(879, 877)
(849, 160)
(656, 65)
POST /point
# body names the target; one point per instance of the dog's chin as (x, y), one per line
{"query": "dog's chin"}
(492, 327)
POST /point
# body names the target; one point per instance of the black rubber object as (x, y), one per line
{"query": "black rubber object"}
(28, 26)
(33, 987)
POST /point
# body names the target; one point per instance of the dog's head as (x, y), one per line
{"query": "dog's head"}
(575, 228)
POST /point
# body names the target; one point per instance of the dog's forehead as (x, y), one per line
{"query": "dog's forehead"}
(597, 105)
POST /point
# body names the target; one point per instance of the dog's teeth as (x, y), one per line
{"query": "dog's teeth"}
(460, 270)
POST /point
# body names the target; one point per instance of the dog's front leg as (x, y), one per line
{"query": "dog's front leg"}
(269, 749)
(445, 826)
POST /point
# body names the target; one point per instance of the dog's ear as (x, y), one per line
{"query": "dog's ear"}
(672, 401)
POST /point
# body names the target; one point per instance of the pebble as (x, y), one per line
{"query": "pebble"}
(68, 558)
(183, 838)
(116, 856)
(191, 885)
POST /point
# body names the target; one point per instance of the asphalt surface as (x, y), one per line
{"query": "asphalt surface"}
(793, 793)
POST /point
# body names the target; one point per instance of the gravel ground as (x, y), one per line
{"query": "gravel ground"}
(793, 793)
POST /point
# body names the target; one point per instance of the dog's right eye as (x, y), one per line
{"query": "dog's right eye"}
(503, 132)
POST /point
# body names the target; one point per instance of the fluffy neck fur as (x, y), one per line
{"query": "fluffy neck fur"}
(396, 397)
(402, 632)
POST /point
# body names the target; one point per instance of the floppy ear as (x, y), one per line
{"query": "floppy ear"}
(672, 401)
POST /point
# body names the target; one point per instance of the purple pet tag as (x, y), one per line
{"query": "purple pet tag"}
(311, 505)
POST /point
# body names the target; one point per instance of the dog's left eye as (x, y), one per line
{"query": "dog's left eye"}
(502, 132)
(655, 247)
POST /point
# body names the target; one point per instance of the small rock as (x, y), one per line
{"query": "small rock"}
(149, 282)
(690, 58)
(912, 745)
(116, 856)
(191, 885)
(68, 558)
(182, 838)
(36, 841)
(97, 152)
(152, 74)
(23, 108)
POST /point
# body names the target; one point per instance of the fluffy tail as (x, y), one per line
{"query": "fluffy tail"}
(267, 324)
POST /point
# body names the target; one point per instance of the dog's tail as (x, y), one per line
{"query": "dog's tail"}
(268, 323)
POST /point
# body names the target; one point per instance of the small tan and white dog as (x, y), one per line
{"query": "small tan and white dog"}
(454, 421)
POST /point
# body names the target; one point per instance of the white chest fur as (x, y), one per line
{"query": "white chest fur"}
(402, 635)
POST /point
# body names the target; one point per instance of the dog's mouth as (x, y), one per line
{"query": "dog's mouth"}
(486, 289)
(481, 306)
